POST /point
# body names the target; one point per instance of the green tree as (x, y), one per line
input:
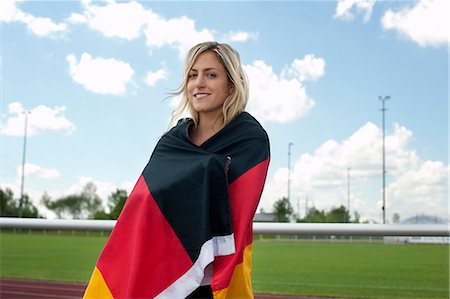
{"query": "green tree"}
(84, 205)
(7, 204)
(314, 216)
(54, 206)
(338, 215)
(102, 215)
(9, 207)
(282, 209)
(73, 204)
(70, 204)
(92, 202)
(29, 210)
(116, 201)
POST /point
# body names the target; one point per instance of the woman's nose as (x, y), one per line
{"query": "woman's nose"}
(200, 81)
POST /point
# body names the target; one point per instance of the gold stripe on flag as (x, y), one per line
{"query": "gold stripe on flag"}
(97, 288)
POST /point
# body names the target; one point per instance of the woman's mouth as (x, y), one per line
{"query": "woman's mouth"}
(201, 95)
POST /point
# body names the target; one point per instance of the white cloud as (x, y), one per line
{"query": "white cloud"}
(38, 171)
(44, 26)
(308, 68)
(413, 185)
(121, 20)
(153, 77)
(40, 119)
(344, 9)
(76, 18)
(179, 33)
(241, 36)
(282, 98)
(129, 20)
(422, 186)
(426, 23)
(38, 25)
(9, 11)
(14, 187)
(100, 75)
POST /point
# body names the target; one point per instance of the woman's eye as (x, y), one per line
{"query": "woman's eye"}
(191, 76)
(212, 75)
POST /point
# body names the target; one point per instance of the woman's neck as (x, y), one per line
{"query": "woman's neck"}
(206, 128)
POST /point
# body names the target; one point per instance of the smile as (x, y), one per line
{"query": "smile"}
(201, 95)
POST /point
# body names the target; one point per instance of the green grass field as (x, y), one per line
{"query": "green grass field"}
(350, 270)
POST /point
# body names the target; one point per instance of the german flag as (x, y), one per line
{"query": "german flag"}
(188, 220)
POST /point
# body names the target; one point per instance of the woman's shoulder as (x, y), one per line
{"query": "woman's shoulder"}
(179, 130)
(250, 124)
(182, 124)
(244, 131)
(183, 121)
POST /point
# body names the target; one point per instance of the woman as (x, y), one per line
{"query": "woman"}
(186, 229)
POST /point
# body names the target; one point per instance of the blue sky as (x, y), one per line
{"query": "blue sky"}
(95, 77)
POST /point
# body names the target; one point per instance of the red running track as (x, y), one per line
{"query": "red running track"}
(11, 288)
(39, 289)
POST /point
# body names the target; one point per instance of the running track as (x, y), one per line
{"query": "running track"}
(39, 289)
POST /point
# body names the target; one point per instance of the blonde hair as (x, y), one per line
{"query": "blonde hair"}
(235, 103)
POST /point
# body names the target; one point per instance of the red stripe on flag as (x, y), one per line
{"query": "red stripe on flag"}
(245, 193)
(143, 256)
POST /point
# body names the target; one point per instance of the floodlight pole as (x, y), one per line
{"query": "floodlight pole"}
(383, 110)
(348, 189)
(289, 172)
(23, 164)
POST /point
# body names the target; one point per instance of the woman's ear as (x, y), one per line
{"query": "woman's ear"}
(230, 90)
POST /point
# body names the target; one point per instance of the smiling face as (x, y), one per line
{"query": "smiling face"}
(208, 85)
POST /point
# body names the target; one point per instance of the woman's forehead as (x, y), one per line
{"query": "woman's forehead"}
(207, 60)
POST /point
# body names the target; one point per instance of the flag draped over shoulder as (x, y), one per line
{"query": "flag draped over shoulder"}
(192, 206)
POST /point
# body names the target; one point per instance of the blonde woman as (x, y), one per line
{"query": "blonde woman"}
(186, 229)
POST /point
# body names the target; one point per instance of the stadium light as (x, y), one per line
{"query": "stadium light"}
(383, 110)
(23, 164)
(348, 190)
(289, 172)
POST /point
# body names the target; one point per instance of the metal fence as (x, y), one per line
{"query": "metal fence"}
(263, 228)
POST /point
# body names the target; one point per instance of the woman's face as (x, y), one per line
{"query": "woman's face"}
(208, 85)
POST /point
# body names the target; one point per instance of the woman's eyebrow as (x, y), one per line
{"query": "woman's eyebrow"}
(207, 69)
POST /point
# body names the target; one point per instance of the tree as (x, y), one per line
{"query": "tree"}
(28, 209)
(54, 206)
(73, 204)
(314, 216)
(70, 204)
(116, 201)
(282, 209)
(84, 205)
(396, 218)
(9, 207)
(102, 215)
(91, 200)
(338, 215)
(357, 217)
